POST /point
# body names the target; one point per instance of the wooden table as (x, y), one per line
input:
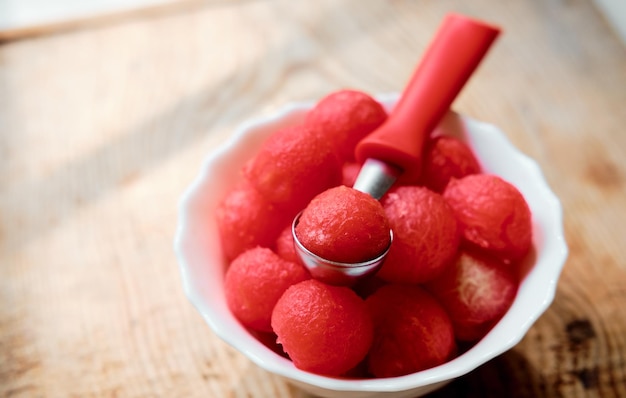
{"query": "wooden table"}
(103, 127)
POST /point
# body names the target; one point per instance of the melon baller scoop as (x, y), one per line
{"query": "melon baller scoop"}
(393, 151)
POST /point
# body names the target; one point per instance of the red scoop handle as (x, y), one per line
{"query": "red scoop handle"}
(453, 55)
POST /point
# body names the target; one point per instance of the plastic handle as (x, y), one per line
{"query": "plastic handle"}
(453, 55)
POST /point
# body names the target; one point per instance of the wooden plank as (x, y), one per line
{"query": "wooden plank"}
(30, 18)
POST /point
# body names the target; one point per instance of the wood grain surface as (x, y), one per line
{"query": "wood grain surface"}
(103, 127)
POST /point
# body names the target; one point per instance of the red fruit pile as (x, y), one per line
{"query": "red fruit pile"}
(450, 275)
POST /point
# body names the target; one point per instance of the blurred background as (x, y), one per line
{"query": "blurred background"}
(107, 109)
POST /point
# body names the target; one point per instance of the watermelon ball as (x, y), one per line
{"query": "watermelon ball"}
(246, 220)
(426, 235)
(324, 329)
(345, 117)
(446, 157)
(293, 165)
(344, 225)
(254, 282)
(412, 331)
(476, 291)
(285, 247)
(493, 215)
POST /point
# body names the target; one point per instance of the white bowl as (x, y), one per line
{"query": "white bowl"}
(202, 266)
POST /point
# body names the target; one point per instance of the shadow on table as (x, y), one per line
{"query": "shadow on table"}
(508, 375)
